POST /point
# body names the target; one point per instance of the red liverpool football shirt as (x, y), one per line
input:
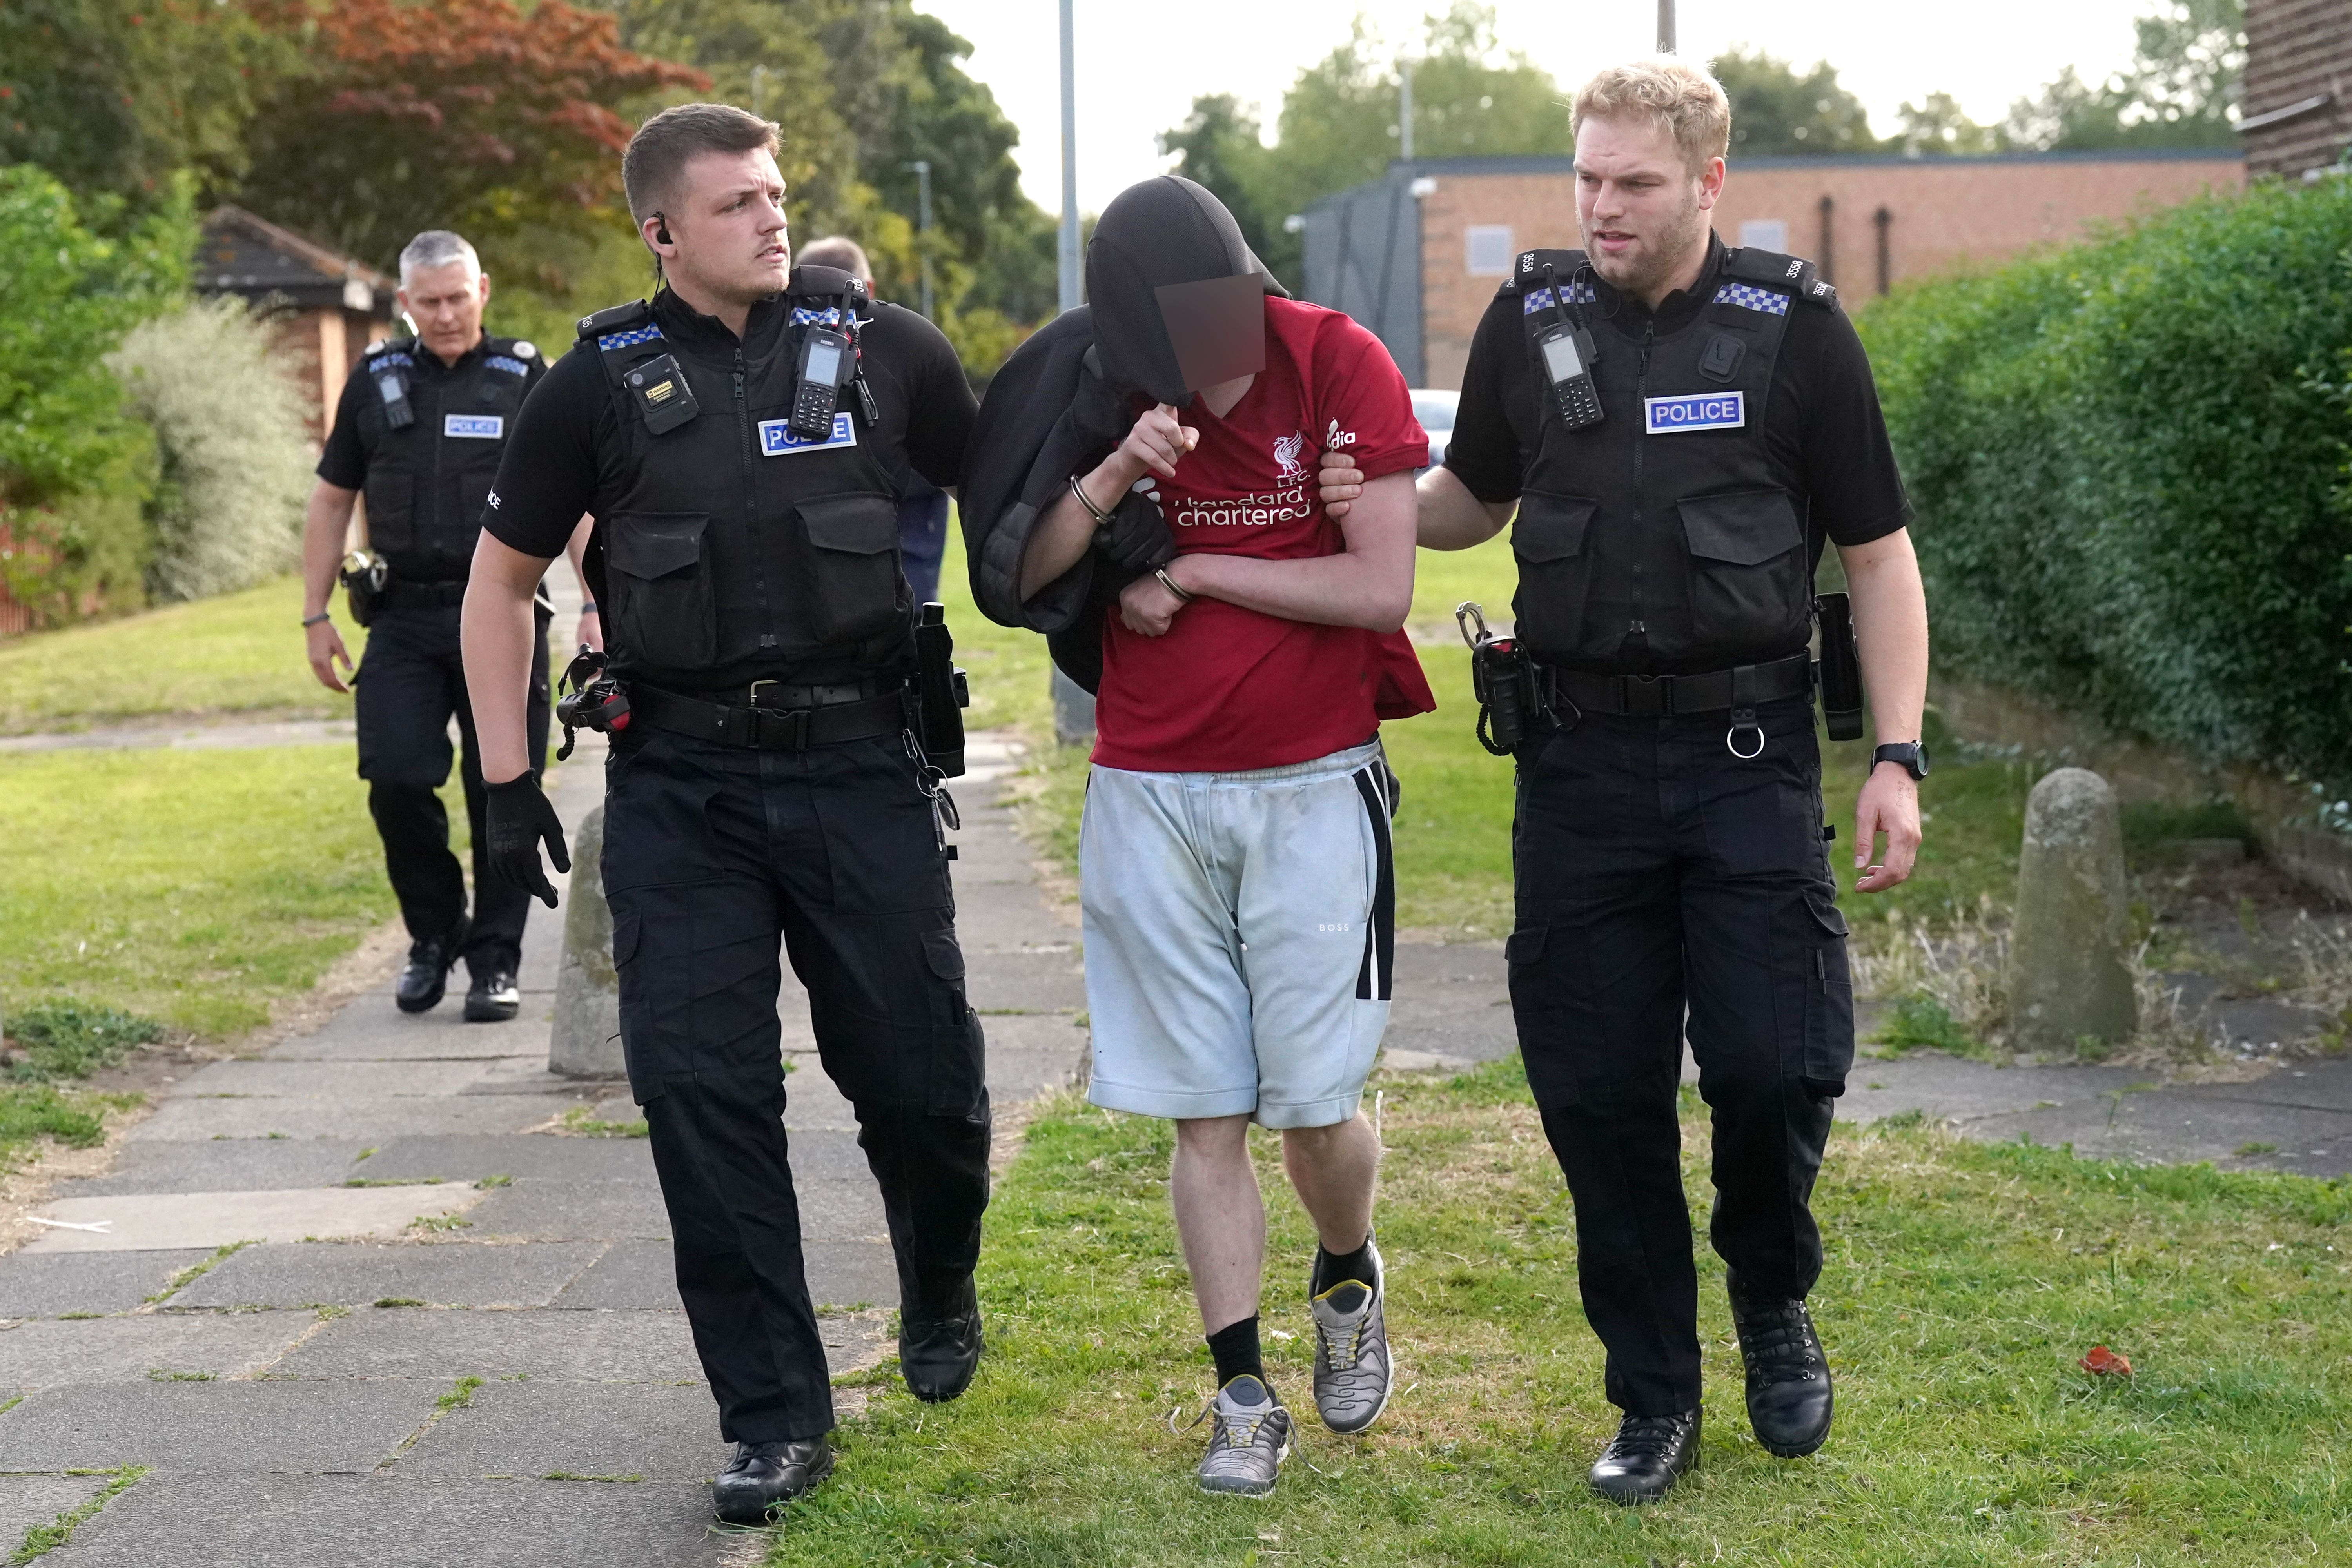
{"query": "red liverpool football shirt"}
(1228, 689)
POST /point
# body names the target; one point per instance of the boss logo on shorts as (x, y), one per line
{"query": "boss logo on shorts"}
(777, 439)
(1694, 411)
(478, 426)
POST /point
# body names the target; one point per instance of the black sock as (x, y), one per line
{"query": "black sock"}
(1333, 1267)
(1235, 1346)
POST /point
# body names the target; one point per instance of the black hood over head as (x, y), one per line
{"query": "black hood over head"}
(1162, 231)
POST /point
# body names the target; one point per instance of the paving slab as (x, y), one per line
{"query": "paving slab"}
(114, 1350)
(151, 1222)
(1037, 979)
(354, 1522)
(1453, 1003)
(650, 1431)
(329, 1080)
(470, 1157)
(226, 1165)
(1959, 1089)
(2186, 1123)
(377, 1119)
(385, 1342)
(52, 1285)
(215, 1428)
(352, 1274)
(2311, 1086)
(28, 1501)
(642, 1275)
(570, 1211)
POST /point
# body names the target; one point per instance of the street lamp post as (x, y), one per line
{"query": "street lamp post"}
(1666, 26)
(922, 169)
(1074, 706)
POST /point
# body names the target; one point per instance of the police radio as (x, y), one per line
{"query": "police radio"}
(1567, 351)
(828, 361)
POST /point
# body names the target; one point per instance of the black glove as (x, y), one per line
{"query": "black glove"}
(1136, 536)
(518, 816)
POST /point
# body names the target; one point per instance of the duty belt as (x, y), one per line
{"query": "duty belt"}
(1643, 696)
(772, 725)
(400, 594)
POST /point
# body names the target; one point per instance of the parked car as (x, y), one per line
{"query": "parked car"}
(1434, 409)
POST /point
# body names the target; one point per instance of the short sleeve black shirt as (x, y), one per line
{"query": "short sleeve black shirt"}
(343, 461)
(566, 443)
(1822, 425)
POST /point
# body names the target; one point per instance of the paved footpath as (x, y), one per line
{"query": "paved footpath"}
(310, 1399)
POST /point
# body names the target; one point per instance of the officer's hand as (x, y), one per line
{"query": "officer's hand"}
(1147, 607)
(1158, 440)
(1889, 804)
(1343, 482)
(591, 633)
(326, 650)
(520, 819)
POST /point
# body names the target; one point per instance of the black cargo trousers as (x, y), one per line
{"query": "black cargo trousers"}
(1661, 878)
(411, 682)
(712, 855)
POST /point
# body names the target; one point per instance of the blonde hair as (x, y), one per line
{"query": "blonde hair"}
(1679, 98)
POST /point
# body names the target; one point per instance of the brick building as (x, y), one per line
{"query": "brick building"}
(333, 307)
(1417, 255)
(2295, 114)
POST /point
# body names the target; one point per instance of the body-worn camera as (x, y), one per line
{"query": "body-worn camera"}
(364, 575)
(663, 397)
(828, 360)
(393, 387)
(591, 701)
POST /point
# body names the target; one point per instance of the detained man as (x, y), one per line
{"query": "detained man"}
(1141, 489)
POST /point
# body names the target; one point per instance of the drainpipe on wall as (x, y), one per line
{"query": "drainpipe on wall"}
(1884, 219)
(1826, 257)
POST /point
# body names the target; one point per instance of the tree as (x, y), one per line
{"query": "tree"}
(116, 98)
(1939, 126)
(2178, 91)
(464, 114)
(1221, 147)
(1775, 111)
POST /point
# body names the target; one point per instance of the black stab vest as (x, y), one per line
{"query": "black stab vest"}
(1661, 540)
(428, 482)
(730, 550)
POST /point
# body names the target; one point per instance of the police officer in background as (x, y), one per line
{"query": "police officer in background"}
(923, 508)
(1668, 845)
(742, 441)
(419, 429)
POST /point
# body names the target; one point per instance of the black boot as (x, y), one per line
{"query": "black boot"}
(427, 978)
(493, 998)
(1647, 1457)
(938, 1350)
(765, 1476)
(1788, 1393)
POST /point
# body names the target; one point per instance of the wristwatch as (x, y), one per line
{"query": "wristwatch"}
(1911, 756)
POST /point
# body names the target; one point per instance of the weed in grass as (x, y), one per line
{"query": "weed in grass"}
(585, 1123)
(398, 1301)
(46, 1538)
(32, 1112)
(328, 1314)
(63, 1037)
(500, 1180)
(440, 1222)
(461, 1396)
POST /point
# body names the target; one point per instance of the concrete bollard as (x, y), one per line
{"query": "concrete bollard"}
(2067, 977)
(586, 1041)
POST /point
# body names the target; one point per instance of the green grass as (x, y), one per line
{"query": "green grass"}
(45, 1538)
(194, 887)
(1963, 1282)
(238, 653)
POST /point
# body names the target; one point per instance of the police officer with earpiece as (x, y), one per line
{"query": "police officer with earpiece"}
(775, 773)
(1680, 427)
(419, 430)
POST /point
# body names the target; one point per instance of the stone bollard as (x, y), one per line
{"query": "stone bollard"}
(2067, 977)
(586, 1041)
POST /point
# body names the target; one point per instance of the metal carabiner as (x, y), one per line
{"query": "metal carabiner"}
(1744, 719)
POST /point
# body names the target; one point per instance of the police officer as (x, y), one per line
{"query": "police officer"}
(1668, 845)
(419, 429)
(741, 441)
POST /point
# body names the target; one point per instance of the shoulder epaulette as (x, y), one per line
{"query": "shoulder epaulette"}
(1526, 279)
(392, 351)
(1791, 274)
(621, 326)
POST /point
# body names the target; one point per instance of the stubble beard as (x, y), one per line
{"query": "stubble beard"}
(1654, 263)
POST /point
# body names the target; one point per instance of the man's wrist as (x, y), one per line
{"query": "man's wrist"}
(317, 619)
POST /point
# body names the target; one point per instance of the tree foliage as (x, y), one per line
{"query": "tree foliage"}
(2178, 91)
(1775, 111)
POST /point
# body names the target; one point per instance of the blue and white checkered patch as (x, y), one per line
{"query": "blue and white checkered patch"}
(387, 361)
(804, 317)
(1579, 293)
(511, 366)
(630, 339)
(1753, 299)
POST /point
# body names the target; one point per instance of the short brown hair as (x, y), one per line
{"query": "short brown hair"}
(1680, 98)
(663, 145)
(837, 250)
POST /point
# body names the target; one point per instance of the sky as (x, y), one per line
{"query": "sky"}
(1140, 69)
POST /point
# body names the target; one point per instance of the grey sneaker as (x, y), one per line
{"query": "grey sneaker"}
(1250, 1436)
(1351, 1355)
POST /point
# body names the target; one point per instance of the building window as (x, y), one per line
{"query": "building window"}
(1487, 247)
(1765, 234)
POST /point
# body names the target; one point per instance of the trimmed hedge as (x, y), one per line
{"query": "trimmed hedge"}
(2128, 459)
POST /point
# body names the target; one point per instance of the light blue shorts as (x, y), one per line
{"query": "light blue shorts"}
(1239, 931)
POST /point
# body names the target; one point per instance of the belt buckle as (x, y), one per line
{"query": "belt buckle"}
(754, 693)
(793, 734)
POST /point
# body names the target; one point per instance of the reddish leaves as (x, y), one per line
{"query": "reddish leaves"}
(2105, 1362)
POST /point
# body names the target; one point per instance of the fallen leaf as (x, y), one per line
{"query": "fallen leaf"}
(2105, 1362)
